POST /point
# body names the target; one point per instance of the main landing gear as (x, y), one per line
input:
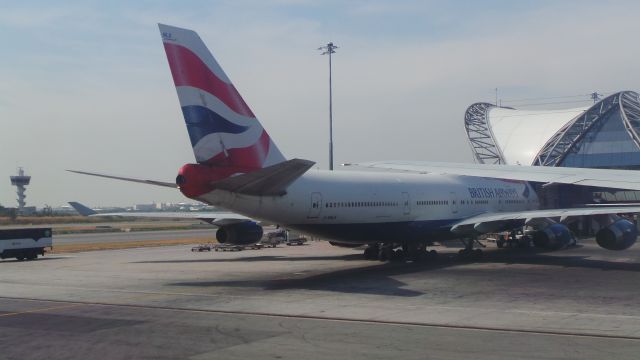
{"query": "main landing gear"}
(414, 252)
(469, 253)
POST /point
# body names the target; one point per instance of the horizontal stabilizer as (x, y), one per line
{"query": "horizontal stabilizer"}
(270, 181)
(142, 181)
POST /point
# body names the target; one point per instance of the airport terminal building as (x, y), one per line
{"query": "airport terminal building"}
(604, 135)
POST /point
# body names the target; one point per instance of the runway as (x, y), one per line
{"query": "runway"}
(319, 301)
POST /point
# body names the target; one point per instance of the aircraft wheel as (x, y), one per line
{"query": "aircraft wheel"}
(370, 253)
(385, 254)
(397, 255)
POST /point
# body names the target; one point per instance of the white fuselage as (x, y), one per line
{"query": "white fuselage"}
(367, 206)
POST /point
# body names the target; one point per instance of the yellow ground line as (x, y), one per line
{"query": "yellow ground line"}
(42, 310)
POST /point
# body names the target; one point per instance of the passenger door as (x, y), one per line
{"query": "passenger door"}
(406, 205)
(316, 206)
(453, 202)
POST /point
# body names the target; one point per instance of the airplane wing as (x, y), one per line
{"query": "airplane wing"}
(214, 218)
(487, 221)
(619, 179)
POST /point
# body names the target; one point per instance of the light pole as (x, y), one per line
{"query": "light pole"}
(328, 50)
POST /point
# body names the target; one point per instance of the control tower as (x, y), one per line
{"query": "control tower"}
(20, 181)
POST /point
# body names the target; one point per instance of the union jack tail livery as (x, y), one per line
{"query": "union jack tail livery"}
(224, 132)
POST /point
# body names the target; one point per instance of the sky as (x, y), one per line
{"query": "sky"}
(85, 84)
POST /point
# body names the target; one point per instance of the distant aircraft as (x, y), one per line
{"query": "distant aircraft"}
(407, 205)
(218, 219)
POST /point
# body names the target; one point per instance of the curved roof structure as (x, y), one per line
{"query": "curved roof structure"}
(603, 135)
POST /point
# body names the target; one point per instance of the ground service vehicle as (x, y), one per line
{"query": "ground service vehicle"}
(24, 243)
(296, 240)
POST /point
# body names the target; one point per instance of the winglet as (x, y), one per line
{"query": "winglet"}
(82, 209)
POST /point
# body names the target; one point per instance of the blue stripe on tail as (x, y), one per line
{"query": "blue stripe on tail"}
(201, 122)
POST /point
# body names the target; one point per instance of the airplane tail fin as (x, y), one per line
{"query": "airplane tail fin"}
(223, 131)
(82, 209)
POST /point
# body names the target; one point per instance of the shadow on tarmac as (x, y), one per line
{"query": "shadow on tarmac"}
(377, 278)
(259, 258)
(12, 261)
(372, 280)
(503, 256)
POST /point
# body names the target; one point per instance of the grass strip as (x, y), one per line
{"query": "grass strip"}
(71, 248)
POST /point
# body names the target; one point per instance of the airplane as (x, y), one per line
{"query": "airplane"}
(396, 208)
(217, 219)
(213, 218)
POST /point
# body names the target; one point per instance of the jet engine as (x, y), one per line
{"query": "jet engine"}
(239, 234)
(618, 236)
(553, 237)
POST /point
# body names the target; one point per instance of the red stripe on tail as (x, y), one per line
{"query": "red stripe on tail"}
(251, 157)
(189, 70)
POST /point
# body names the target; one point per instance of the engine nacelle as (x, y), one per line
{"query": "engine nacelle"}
(553, 237)
(618, 236)
(239, 234)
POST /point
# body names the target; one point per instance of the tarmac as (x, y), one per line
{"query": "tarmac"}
(318, 302)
